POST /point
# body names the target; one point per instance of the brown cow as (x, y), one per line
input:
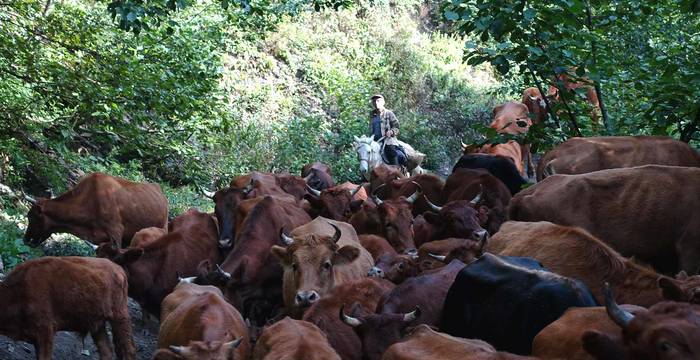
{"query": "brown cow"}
(335, 203)
(433, 254)
(153, 270)
(536, 106)
(100, 208)
(396, 221)
(395, 268)
(585, 155)
(376, 245)
(383, 174)
(458, 219)
(256, 277)
(417, 300)
(200, 314)
(668, 330)
(428, 184)
(366, 219)
(318, 176)
(200, 350)
(426, 343)
(50, 294)
(258, 183)
(627, 208)
(562, 338)
(324, 313)
(567, 84)
(146, 236)
(466, 252)
(290, 339)
(319, 256)
(574, 253)
(466, 184)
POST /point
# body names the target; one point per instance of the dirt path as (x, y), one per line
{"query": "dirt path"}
(67, 345)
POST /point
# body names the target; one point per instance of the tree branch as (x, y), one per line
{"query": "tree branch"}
(691, 127)
(596, 85)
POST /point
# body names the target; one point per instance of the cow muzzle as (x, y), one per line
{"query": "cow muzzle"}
(375, 272)
(306, 298)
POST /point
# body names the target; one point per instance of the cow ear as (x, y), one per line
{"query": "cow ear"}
(345, 255)
(602, 347)
(280, 253)
(128, 256)
(355, 205)
(204, 267)
(431, 217)
(670, 290)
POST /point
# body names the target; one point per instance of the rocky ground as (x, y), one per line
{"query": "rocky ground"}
(68, 345)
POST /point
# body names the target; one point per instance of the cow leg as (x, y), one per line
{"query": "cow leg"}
(99, 336)
(123, 340)
(527, 159)
(44, 346)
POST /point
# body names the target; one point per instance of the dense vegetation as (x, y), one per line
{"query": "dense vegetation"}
(189, 93)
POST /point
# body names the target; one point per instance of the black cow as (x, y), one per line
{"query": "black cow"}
(506, 305)
(500, 167)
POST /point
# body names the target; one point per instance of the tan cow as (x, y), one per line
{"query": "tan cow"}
(562, 338)
(146, 236)
(584, 155)
(290, 339)
(202, 326)
(320, 255)
(645, 212)
(533, 99)
(575, 253)
(426, 343)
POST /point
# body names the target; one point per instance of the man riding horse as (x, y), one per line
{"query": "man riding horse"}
(384, 125)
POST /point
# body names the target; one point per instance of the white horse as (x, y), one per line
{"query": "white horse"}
(369, 152)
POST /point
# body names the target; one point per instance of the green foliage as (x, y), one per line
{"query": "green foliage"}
(640, 55)
(67, 245)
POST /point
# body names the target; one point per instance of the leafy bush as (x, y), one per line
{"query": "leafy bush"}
(67, 245)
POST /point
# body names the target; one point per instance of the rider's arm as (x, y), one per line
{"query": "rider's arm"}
(393, 123)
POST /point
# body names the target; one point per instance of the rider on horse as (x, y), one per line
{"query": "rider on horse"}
(384, 125)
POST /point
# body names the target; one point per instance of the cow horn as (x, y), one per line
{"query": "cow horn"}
(413, 315)
(419, 191)
(354, 192)
(533, 98)
(287, 240)
(179, 350)
(337, 234)
(483, 238)
(187, 280)
(308, 177)
(313, 191)
(432, 206)
(29, 198)
(440, 258)
(93, 246)
(354, 322)
(234, 343)
(478, 196)
(617, 314)
(205, 192)
(221, 271)
(464, 146)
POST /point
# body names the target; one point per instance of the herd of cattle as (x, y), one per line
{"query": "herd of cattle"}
(473, 267)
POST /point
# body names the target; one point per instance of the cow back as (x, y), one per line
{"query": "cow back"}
(508, 305)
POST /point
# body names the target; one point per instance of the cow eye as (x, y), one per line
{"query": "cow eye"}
(327, 265)
(401, 266)
(665, 346)
(295, 267)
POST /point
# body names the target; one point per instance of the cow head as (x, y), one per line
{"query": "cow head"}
(667, 330)
(467, 252)
(378, 331)
(396, 220)
(122, 257)
(201, 350)
(395, 268)
(333, 203)
(226, 201)
(683, 288)
(40, 225)
(459, 219)
(308, 263)
(511, 118)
